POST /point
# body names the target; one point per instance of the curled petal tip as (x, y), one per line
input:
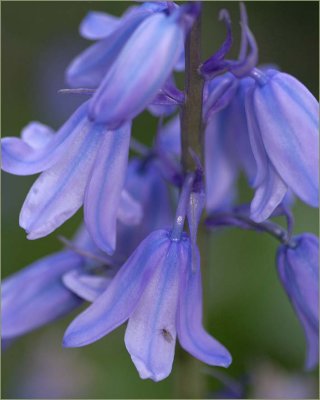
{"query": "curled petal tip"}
(71, 341)
(146, 373)
(74, 337)
(227, 361)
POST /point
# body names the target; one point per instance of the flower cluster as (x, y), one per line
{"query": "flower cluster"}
(133, 259)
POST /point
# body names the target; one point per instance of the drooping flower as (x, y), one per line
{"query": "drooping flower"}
(90, 67)
(159, 291)
(298, 269)
(60, 282)
(275, 113)
(83, 163)
(158, 42)
(37, 295)
(284, 134)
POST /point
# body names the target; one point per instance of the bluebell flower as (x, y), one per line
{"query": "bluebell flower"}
(280, 118)
(159, 291)
(298, 269)
(36, 295)
(60, 282)
(90, 67)
(157, 41)
(283, 126)
(83, 163)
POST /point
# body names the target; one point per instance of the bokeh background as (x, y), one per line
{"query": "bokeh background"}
(245, 306)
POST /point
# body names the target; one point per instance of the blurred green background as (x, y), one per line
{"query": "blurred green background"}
(245, 306)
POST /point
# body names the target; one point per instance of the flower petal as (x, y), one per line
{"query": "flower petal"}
(117, 303)
(312, 338)
(129, 211)
(191, 334)
(36, 296)
(26, 156)
(268, 196)
(218, 94)
(256, 142)
(58, 193)
(157, 41)
(37, 135)
(287, 115)
(151, 332)
(97, 25)
(298, 269)
(168, 138)
(104, 189)
(242, 150)
(90, 67)
(87, 287)
(147, 187)
(221, 169)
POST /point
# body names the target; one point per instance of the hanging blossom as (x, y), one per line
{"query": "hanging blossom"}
(158, 290)
(137, 263)
(85, 161)
(57, 284)
(298, 267)
(273, 112)
(90, 67)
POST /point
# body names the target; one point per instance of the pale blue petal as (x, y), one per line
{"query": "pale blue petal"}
(168, 138)
(37, 135)
(151, 332)
(129, 211)
(157, 42)
(287, 115)
(27, 156)
(304, 271)
(58, 193)
(87, 287)
(220, 167)
(257, 146)
(298, 269)
(97, 25)
(36, 296)
(118, 302)
(194, 212)
(148, 188)
(192, 337)
(104, 190)
(163, 110)
(218, 93)
(312, 338)
(242, 150)
(90, 67)
(268, 196)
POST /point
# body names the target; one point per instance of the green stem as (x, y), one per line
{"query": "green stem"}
(191, 115)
